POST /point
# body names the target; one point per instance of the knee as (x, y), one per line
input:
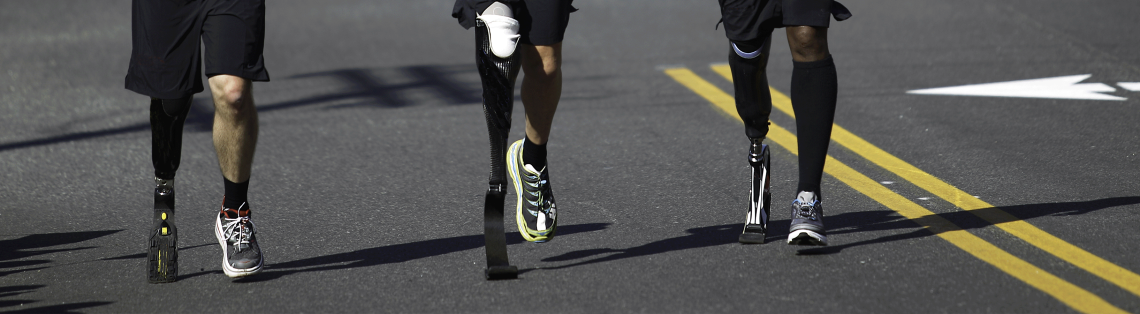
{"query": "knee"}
(808, 43)
(543, 63)
(232, 95)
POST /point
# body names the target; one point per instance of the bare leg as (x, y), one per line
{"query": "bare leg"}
(235, 125)
(541, 88)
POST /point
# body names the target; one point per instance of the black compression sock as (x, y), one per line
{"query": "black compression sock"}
(814, 92)
(235, 194)
(534, 154)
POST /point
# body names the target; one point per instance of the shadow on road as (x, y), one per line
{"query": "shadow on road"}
(885, 220)
(844, 223)
(357, 83)
(29, 246)
(396, 253)
(26, 246)
(697, 238)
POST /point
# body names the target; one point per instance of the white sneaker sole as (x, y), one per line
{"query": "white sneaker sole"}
(806, 237)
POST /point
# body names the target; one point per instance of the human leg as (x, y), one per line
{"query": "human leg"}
(235, 129)
(234, 35)
(541, 91)
(235, 140)
(543, 26)
(814, 95)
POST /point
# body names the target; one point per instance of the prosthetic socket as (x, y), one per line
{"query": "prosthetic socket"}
(747, 61)
(167, 116)
(495, 55)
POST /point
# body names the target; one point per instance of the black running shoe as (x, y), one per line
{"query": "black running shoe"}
(807, 221)
(536, 213)
(240, 254)
(162, 246)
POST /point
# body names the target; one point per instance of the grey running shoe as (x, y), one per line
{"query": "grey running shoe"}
(240, 254)
(536, 213)
(807, 221)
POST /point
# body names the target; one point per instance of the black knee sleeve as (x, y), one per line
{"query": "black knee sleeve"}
(814, 93)
(498, 76)
(750, 84)
(167, 117)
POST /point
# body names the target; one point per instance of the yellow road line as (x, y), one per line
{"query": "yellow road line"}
(1019, 228)
(1040, 279)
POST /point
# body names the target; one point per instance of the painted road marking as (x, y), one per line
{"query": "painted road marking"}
(1091, 263)
(1061, 87)
(1132, 86)
(1067, 293)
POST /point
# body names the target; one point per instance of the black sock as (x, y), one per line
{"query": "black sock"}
(534, 154)
(814, 92)
(235, 194)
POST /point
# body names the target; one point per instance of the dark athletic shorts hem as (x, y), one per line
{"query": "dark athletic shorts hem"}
(541, 22)
(751, 20)
(167, 38)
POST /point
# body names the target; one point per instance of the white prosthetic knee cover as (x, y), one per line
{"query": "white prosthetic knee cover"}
(503, 29)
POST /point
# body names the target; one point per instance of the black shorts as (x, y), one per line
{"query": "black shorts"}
(166, 39)
(751, 20)
(541, 22)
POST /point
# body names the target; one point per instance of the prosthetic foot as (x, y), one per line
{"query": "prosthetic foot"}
(162, 254)
(760, 197)
(498, 65)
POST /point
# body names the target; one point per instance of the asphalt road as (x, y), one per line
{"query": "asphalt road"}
(371, 167)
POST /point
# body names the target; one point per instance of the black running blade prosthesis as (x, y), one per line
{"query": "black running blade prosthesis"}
(759, 198)
(498, 76)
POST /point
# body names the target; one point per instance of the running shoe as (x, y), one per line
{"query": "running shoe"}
(240, 254)
(536, 213)
(807, 221)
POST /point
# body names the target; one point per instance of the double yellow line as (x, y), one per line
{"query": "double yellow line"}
(1069, 294)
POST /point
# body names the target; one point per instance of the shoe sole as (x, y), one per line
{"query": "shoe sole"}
(162, 251)
(226, 268)
(807, 237)
(516, 180)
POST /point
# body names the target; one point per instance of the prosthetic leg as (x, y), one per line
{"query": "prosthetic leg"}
(166, 120)
(759, 196)
(498, 66)
(748, 60)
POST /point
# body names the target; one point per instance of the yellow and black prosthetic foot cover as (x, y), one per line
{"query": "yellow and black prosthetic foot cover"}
(162, 251)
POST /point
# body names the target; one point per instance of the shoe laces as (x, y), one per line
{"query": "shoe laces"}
(806, 210)
(237, 231)
(539, 189)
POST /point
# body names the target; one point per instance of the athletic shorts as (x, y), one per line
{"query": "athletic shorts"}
(166, 39)
(541, 22)
(751, 20)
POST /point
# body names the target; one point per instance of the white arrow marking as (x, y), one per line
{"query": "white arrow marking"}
(1130, 86)
(1061, 87)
